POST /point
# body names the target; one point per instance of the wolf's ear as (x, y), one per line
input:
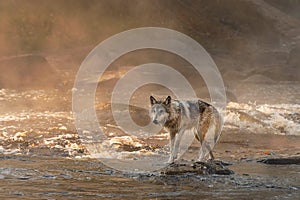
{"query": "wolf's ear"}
(152, 100)
(167, 101)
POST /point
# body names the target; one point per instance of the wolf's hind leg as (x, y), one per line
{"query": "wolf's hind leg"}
(204, 150)
(211, 155)
(202, 154)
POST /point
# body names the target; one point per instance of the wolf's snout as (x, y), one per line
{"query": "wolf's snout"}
(155, 121)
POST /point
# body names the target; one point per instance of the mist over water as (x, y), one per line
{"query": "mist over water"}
(244, 38)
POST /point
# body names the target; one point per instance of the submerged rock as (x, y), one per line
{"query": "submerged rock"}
(210, 167)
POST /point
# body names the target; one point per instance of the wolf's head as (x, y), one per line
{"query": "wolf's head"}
(160, 110)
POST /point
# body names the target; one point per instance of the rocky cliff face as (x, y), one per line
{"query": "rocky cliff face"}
(252, 40)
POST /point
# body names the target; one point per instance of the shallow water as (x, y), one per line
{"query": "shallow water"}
(30, 177)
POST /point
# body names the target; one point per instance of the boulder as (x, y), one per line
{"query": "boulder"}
(200, 168)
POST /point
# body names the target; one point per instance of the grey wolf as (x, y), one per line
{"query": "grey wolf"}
(194, 115)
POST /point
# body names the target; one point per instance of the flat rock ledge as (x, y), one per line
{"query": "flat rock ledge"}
(199, 168)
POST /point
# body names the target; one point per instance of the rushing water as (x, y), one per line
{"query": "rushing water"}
(42, 156)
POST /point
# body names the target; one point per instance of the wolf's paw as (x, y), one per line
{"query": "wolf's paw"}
(170, 161)
(201, 159)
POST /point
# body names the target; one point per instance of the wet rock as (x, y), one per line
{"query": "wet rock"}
(211, 167)
(281, 161)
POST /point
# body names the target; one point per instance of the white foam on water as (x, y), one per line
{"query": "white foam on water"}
(114, 148)
(281, 119)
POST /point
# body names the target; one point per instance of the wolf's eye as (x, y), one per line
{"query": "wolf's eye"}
(161, 111)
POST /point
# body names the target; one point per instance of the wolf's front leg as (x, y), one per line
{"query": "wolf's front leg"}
(172, 142)
(177, 142)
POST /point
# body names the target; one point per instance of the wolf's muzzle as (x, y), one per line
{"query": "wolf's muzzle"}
(155, 121)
